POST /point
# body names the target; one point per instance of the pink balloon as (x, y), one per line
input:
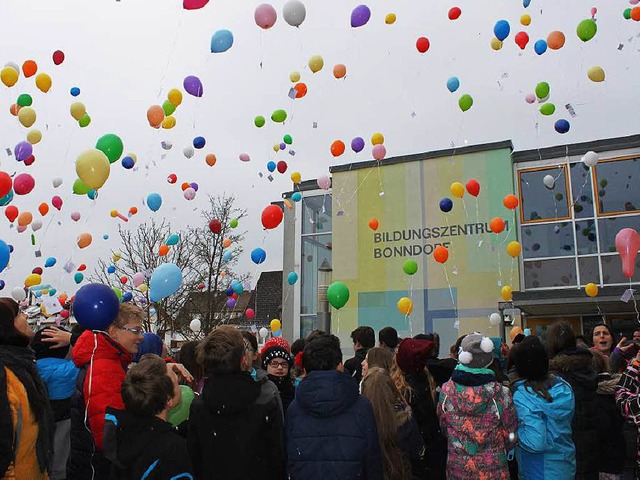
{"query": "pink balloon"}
(634, 2)
(189, 193)
(137, 279)
(194, 4)
(21, 228)
(324, 182)
(56, 201)
(244, 157)
(627, 245)
(265, 16)
(379, 152)
(531, 98)
(75, 216)
(249, 313)
(23, 184)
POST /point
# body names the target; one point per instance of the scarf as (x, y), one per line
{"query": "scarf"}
(22, 363)
(472, 377)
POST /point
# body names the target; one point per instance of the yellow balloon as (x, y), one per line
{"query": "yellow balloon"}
(496, 44)
(390, 19)
(32, 280)
(316, 63)
(591, 289)
(43, 310)
(506, 293)
(143, 287)
(27, 116)
(405, 305)
(175, 97)
(514, 249)
(43, 82)
(93, 168)
(296, 177)
(77, 110)
(117, 256)
(169, 122)
(596, 74)
(294, 77)
(276, 147)
(457, 189)
(34, 136)
(275, 325)
(525, 19)
(9, 76)
(377, 139)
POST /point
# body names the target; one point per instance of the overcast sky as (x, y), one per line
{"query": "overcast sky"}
(126, 55)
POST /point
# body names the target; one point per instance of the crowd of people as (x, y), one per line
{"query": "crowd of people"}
(97, 405)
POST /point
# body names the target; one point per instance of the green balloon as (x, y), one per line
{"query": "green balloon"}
(587, 29)
(410, 267)
(80, 188)
(279, 116)
(168, 107)
(180, 412)
(548, 109)
(24, 100)
(111, 146)
(338, 294)
(85, 120)
(259, 121)
(233, 223)
(118, 293)
(627, 13)
(465, 102)
(287, 139)
(542, 90)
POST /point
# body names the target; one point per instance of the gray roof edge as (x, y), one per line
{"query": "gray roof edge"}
(605, 144)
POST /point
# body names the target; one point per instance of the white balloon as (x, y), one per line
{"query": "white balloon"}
(57, 181)
(264, 332)
(36, 224)
(195, 325)
(189, 193)
(188, 152)
(495, 319)
(18, 294)
(166, 145)
(549, 181)
(294, 13)
(590, 159)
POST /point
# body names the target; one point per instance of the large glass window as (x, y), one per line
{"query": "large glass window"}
(548, 240)
(560, 272)
(543, 194)
(581, 190)
(316, 214)
(617, 183)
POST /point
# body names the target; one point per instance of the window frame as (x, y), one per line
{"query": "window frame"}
(594, 181)
(566, 194)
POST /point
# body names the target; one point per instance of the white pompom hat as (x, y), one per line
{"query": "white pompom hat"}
(476, 351)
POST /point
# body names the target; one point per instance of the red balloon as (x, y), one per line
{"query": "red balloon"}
(194, 4)
(58, 57)
(522, 38)
(627, 245)
(455, 13)
(423, 44)
(282, 166)
(215, 226)
(123, 279)
(37, 271)
(173, 178)
(29, 160)
(64, 313)
(301, 89)
(56, 201)
(473, 187)
(272, 216)
(440, 254)
(249, 313)
(11, 212)
(82, 267)
(337, 148)
(5, 183)
(23, 184)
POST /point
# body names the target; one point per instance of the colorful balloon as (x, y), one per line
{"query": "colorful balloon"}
(193, 86)
(627, 246)
(360, 16)
(514, 248)
(221, 41)
(294, 13)
(501, 30)
(405, 305)
(272, 216)
(265, 16)
(154, 201)
(95, 306)
(111, 145)
(93, 168)
(338, 294)
(165, 280)
(441, 254)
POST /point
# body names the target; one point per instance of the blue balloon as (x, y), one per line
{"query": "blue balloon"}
(292, 278)
(562, 126)
(78, 277)
(446, 205)
(127, 296)
(271, 166)
(92, 194)
(277, 334)
(199, 142)
(258, 255)
(453, 84)
(165, 281)
(221, 41)
(38, 293)
(357, 144)
(501, 29)
(2, 284)
(540, 47)
(234, 282)
(6, 200)
(229, 291)
(238, 288)
(10, 248)
(173, 239)
(75, 91)
(50, 262)
(5, 252)
(105, 236)
(52, 292)
(526, 3)
(95, 306)
(128, 162)
(296, 197)
(226, 255)
(154, 201)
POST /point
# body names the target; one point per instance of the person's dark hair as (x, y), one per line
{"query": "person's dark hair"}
(365, 336)
(187, 357)
(560, 337)
(388, 336)
(251, 338)
(9, 334)
(532, 364)
(322, 353)
(297, 347)
(221, 351)
(456, 346)
(46, 349)
(76, 331)
(435, 338)
(582, 338)
(147, 387)
(614, 340)
(314, 334)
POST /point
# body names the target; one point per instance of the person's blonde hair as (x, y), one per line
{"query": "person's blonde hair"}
(380, 357)
(126, 313)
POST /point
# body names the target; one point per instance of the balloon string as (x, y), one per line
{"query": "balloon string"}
(452, 250)
(407, 317)
(170, 56)
(464, 207)
(513, 260)
(635, 304)
(453, 302)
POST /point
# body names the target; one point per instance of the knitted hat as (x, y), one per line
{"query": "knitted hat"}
(276, 347)
(476, 351)
(412, 354)
(531, 359)
(46, 349)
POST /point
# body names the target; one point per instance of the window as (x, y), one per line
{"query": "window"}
(617, 184)
(316, 214)
(559, 272)
(581, 190)
(609, 228)
(538, 201)
(547, 240)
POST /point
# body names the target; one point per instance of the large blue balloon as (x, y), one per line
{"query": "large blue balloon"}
(154, 201)
(501, 29)
(258, 255)
(95, 306)
(165, 281)
(221, 41)
(4, 255)
(453, 84)
(292, 278)
(446, 205)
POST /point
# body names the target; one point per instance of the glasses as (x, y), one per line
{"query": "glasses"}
(135, 330)
(277, 364)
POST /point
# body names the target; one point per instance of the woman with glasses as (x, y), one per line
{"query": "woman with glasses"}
(276, 360)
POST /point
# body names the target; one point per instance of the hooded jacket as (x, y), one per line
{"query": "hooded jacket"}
(144, 447)
(545, 446)
(60, 377)
(480, 424)
(234, 433)
(331, 431)
(353, 366)
(575, 367)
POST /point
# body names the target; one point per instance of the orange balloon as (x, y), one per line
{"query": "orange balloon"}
(24, 219)
(29, 68)
(133, 210)
(339, 70)
(373, 224)
(496, 225)
(155, 116)
(441, 254)
(226, 243)
(635, 14)
(43, 208)
(210, 159)
(163, 250)
(511, 202)
(555, 40)
(14, 109)
(337, 148)
(62, 298)
(185, 185)
(301, 89)
(84, 240)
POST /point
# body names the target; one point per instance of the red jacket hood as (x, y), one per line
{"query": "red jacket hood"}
(107, 349)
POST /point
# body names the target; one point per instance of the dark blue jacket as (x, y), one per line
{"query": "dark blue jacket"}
(331, 431)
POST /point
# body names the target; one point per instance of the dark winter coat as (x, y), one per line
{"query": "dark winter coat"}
(353, 366)
(232, 435)
(575, 367)
(441, 369)
(410, 442)
(628, 398)
(331, 431)
(144, 447)
(610, 423)
(286, 390)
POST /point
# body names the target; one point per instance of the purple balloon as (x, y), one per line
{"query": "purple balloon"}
(23, 151)
(231, 302)
(193, 85)
(194, 185)
(283, 146)
(357, 144)
(360, 16)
